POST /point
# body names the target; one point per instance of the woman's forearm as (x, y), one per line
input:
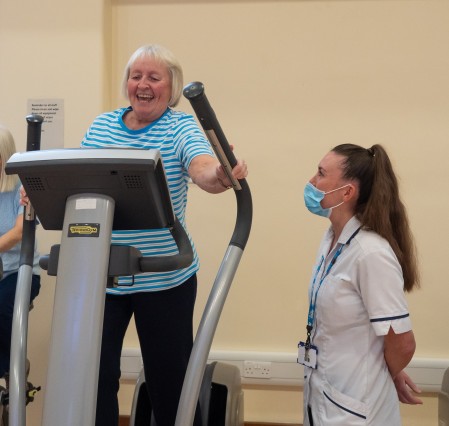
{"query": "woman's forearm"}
(398, 350)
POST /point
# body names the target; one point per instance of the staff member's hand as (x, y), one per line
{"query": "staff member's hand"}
(405, 387)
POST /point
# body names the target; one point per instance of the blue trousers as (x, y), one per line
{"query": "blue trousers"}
(164, 326)
(7, 297)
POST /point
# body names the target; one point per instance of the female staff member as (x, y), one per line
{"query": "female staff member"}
(162, 303)
(359, 334)
(11, 224)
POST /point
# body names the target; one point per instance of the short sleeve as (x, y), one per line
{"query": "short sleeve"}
(190, 141)
(382, 289)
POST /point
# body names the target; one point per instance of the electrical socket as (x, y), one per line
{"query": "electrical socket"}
(257, 369)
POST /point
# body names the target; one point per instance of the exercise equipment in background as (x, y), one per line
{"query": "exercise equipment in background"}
(443, 401)
(19, 392)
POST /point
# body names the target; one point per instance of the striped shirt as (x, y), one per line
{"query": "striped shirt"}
(179, 139)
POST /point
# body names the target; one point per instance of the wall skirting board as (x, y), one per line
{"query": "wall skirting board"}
(281, 368)
(124, 421)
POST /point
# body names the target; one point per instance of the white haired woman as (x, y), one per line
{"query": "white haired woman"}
(162, 303)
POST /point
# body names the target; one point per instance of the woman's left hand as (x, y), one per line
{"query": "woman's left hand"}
(405, 387)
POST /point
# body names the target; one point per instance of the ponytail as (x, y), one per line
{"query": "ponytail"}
(379, 207)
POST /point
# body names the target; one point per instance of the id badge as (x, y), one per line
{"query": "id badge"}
(307, 357)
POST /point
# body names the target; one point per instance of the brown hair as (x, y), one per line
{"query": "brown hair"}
(379, 207)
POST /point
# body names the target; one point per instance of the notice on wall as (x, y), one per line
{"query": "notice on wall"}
(52, 111)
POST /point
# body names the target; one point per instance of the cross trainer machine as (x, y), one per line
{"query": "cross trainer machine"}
(87, 194)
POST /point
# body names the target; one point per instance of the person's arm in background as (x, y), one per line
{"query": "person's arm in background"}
(398, 352)
(13, 236)
(208, 174)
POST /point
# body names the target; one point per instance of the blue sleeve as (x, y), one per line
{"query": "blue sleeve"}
(190, 141)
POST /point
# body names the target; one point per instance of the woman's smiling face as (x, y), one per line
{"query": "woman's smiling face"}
(149, 89)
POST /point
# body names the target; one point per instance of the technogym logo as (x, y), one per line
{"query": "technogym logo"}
(84, 230)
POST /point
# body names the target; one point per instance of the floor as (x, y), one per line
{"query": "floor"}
(124, 421)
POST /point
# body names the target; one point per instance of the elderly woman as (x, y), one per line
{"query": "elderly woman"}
(11, 224)
(359, 333)
(162, 303)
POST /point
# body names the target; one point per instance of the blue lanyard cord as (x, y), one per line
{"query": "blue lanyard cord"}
(314, 296)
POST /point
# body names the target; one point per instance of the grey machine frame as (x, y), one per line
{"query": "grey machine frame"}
(87, 193)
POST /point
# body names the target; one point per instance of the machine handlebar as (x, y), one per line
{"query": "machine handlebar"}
(194, 92)
(127, 260)
(170, 263)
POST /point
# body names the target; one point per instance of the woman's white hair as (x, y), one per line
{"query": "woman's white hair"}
(163, 55)
(7, 148)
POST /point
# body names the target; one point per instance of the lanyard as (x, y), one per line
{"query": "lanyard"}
(314, 296)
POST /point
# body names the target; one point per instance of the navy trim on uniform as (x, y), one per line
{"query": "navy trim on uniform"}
(389, 318)
(343, 408)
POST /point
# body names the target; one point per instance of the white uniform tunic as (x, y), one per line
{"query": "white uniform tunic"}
(357, 302)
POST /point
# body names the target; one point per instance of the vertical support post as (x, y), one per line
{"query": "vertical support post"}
(19, 332)
(78, 311)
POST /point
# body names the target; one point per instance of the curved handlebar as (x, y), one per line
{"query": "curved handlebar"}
(170, 263)
(194, 92)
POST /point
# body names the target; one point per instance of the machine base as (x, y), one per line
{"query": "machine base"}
(221, 398)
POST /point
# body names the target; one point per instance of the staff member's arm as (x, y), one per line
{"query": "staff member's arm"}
(398, 352)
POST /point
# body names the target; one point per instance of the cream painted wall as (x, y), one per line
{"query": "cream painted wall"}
(51, 50)
(288, 80)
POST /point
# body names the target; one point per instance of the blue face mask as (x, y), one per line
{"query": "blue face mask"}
(313, 197)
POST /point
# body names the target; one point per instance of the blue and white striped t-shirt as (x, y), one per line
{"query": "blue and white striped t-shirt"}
(179, 140)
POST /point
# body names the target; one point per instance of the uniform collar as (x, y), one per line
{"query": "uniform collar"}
(351, 226)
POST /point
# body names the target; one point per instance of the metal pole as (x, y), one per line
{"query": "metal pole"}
(77, 324)
(194, 92)
(17, 388)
